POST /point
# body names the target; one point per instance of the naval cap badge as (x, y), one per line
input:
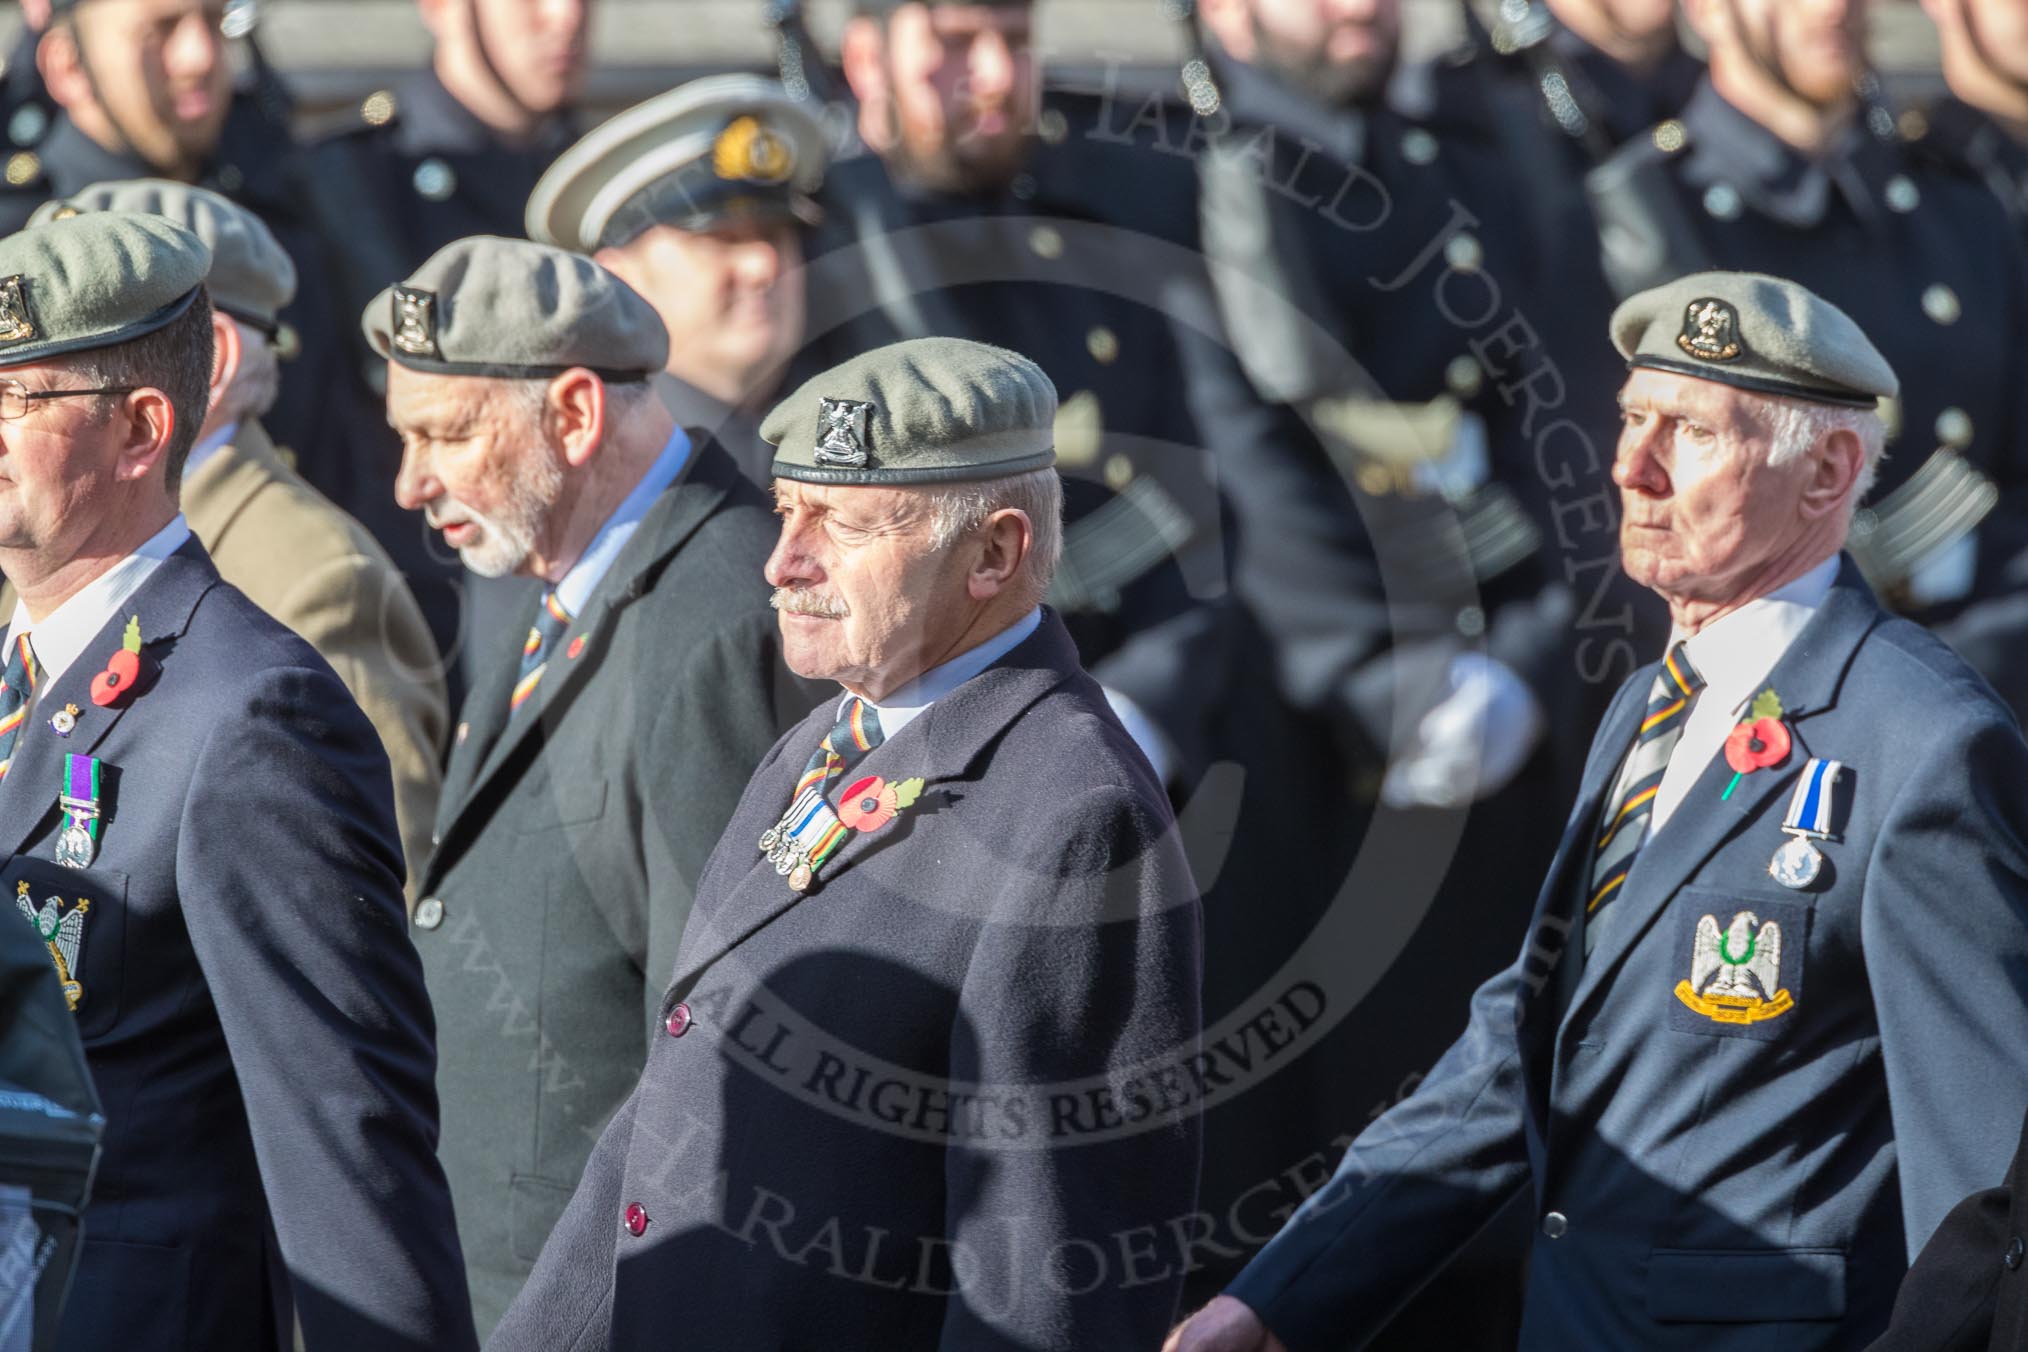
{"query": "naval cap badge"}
(842, 433)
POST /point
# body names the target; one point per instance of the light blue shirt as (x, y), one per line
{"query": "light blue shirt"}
(576, 589)
(906, 704)
(60, 639)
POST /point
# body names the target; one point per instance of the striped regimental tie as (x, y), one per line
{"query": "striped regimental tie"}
(15, 687)
(1632, 801)
(856, 733)
(550, 622)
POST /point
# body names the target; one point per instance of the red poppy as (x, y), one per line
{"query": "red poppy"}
(868, 805)
(576, 647)
(118, 680)
(1757, 744)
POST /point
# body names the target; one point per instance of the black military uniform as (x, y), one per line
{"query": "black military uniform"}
(26, 110)
(1926, 260)
(1049, 268)
(1966, 138)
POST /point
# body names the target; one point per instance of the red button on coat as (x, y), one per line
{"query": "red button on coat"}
(679, 1021)
(637, 1219)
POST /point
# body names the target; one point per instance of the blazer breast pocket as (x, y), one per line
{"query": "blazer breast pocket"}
(1745, 1286)
(80, 915)
(1739, 963)
(556, 804)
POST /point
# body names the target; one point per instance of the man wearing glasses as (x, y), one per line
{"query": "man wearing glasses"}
(196, 820)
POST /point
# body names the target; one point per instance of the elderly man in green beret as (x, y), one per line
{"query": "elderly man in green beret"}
(923, 1073)
(598, 757)
(699, 199)
(196, 820)
(1766, 1027)
(272, 535)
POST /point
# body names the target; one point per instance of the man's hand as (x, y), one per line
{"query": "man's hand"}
(1225, 1325)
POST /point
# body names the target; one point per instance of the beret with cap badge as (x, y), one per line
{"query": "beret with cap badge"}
(94, 281)
(930, 410)
(251, 277)
(510, 309)
(1755, 332)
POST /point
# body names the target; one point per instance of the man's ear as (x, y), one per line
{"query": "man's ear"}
(61, 67)
(1835, 471)
(863, 55)
(146, 421)
(575, 408)
(1004, 543)
(227, 353)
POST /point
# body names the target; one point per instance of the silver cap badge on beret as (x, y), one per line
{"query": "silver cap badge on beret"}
(415, 321)
(1710, 331)
(16, 325)
(841, 433)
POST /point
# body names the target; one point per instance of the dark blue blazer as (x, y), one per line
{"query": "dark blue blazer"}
(917, 1106)
(251, 1008)
(1725, 1185)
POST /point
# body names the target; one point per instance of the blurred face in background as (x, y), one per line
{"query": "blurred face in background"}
(1337, 51)
(526, 55)
(1629, 31)
(731, 298)
(1983, 38)
(947, 92)
(149, 76)
(1814, 49)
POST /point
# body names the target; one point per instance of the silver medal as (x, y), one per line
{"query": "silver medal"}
(75, 846)
(769, 837)
(1797, 863)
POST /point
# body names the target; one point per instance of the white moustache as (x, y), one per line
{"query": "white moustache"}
(794, 601)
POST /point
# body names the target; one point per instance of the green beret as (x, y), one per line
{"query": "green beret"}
(724, 148)
(96, 281)
(251, 276)
(1756, 332)
(487, 306)
(931, 410)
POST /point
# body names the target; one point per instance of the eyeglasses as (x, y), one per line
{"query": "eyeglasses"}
(15, 397)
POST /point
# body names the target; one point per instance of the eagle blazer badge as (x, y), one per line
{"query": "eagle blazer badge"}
(1735, 973)
(62, 931)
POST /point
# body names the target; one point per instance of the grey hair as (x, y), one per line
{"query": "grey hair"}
(958, 509)
(258, 382)
(1796, 425)
(623, 398)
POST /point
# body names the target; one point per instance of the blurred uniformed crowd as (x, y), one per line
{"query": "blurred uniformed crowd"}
(1337, 416)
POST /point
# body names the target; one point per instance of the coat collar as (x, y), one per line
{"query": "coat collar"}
(1772, 177)
(493, 739)
(942, 747)
(1808, 677)
(433, 122)
(164, 604)
(214, 497)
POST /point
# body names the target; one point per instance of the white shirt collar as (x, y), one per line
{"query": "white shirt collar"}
(907, 703)
(576, 589)
(61, 637)
(1734, 656)
(209, 447)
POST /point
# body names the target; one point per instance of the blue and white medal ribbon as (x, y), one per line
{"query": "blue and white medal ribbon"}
(1797, 863)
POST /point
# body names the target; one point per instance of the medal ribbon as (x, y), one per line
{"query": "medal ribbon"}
(1810, 805)
(81, 794)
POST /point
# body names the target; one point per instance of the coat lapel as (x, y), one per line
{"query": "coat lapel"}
(1807, 677)
(495, 737)
(941, 747)
(28, 795)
